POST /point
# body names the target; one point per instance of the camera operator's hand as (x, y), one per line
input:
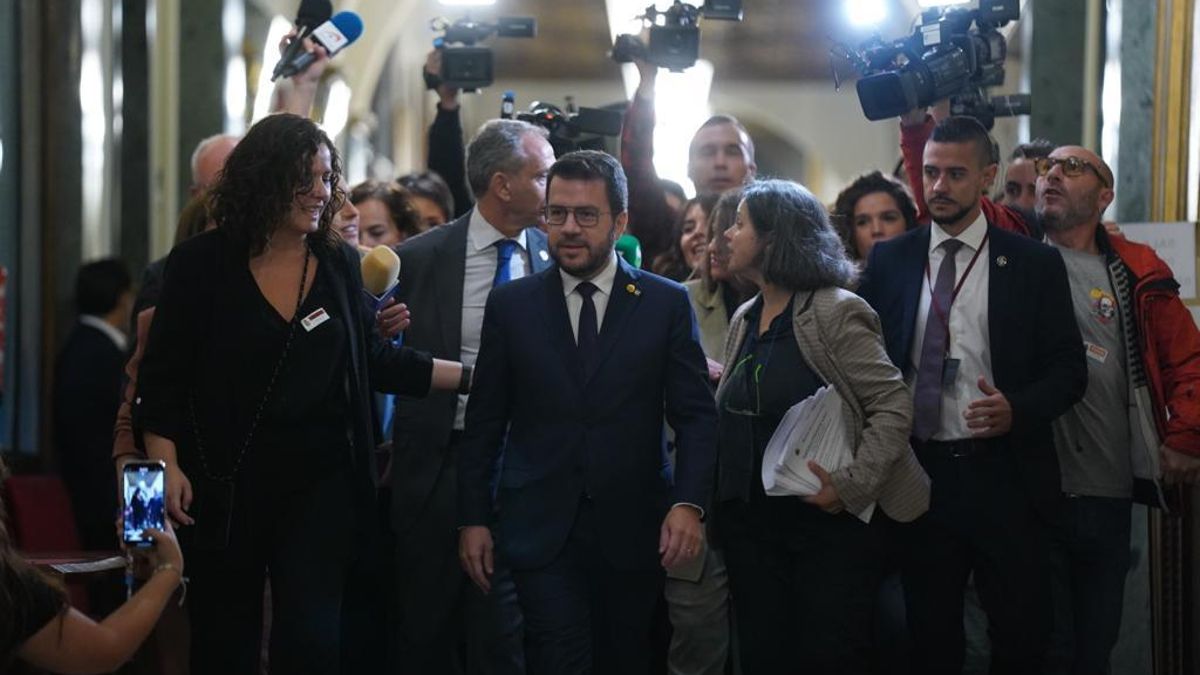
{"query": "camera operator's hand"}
(447, 95)
(914, 118)
(647, 72)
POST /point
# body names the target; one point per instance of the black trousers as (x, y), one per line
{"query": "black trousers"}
(582, 615)
(302, 538)
(804, 585)
(444, 624)
(980, 519)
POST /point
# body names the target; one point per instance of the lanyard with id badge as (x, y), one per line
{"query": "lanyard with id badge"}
(950, 365)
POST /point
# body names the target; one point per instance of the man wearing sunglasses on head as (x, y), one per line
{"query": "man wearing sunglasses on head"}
(1139, 420)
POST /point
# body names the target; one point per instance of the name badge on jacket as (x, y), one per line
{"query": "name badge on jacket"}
(318, 317)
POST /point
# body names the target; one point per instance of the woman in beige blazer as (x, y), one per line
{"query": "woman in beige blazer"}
(804, 572)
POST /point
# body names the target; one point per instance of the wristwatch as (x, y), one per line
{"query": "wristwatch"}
(464, 381)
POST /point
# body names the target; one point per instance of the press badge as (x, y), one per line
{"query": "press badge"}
(1095, 352)
(950, 371)
(318, 317)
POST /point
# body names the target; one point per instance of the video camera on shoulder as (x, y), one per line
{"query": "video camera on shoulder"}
(571, 128)
(464, 65)
(674, 34)
(955, 53)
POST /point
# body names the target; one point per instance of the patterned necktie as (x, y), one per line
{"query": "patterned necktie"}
(504, 254)
(927, 400)
(589, 331)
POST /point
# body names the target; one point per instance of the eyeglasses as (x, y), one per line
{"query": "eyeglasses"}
(585, 216)
(1071, 166)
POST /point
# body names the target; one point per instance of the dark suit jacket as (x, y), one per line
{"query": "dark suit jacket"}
(432, 269)
(567, 433)
(87, 393)
(1037, 352)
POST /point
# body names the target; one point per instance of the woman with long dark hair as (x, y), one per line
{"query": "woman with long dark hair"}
(689, 240)
(255, 391)
(804, 572)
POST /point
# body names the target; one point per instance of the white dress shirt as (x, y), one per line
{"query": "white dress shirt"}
(968, 340)
(603, 282)
(118, 338)
(480, 272)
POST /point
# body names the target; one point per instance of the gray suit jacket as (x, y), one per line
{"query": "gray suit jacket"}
(840, 338)
(432, 268)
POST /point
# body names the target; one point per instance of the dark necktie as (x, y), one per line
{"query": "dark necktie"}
(927, 400)
(504, 254)
(589, 330)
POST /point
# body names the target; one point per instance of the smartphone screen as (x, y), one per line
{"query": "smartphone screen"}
(143, 490)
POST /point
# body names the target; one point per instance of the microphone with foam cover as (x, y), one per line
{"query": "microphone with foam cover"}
(334, 35)
(380, 273)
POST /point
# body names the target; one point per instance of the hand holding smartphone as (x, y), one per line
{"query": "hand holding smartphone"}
(143, 504)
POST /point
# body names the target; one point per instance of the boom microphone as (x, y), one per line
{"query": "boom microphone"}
(334, 35)
(312, 13)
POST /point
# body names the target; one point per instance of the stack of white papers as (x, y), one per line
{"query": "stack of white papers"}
(813, 429)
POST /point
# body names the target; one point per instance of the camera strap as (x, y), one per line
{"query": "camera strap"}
(287, 345)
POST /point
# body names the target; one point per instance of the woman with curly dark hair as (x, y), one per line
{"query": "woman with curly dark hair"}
(872, 208)
(255, 390)
(386, 216)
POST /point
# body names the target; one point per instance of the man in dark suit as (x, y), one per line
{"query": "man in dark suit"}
(446, 276)
(87, 392)
(980, 321)
(577, 366)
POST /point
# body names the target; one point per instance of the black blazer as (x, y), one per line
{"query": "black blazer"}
(433, 266)
(182, 350)
(1036, 349)
(566, 433)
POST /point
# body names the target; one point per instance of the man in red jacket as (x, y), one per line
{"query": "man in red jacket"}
(1140, 418)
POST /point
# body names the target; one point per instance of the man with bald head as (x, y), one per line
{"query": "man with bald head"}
(1139, 420)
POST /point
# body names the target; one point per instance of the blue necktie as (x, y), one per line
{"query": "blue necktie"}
(589, 331)
(927, 399)
(504, 254)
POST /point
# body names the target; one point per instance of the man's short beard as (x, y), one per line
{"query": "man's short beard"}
(955, 218)
(1067, 219)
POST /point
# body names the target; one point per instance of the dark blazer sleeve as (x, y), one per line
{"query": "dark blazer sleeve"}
(393, 370)
(690, 409)
(181, 322)
(448, 157)
(1058, 355)
(488, 413)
